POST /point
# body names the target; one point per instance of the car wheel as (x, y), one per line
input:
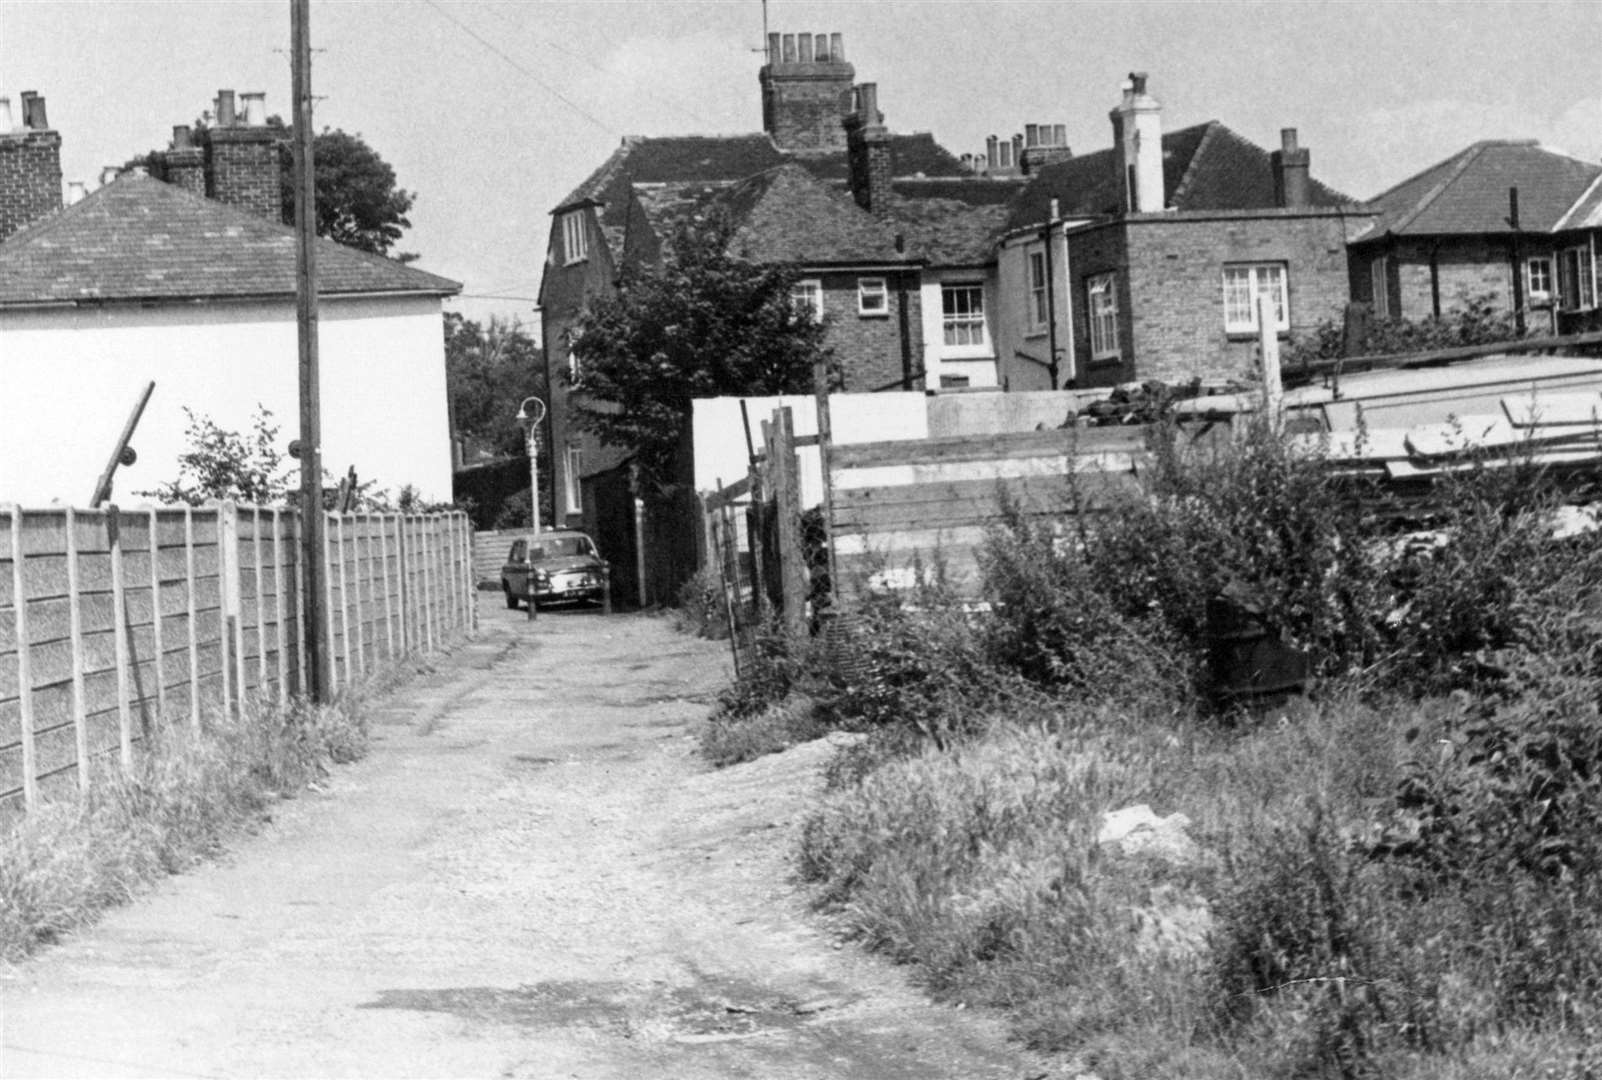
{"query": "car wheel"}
(511, 601)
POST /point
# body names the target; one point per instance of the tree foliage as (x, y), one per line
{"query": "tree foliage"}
(490, 368)
(358, 202)
(223, 464)
(704, 323)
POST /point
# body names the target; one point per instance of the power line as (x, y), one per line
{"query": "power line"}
(535, 79)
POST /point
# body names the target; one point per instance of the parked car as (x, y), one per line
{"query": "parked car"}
(547, 567)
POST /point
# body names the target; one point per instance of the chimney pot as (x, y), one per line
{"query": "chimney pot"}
(225, 108)
(109, 174)
(868, 102)
(1031, 134)
(1287, 139)
(1137, 80)
(255, 108)
(837, 48)
(181, 138)
(775, 49)
(789, 48)
(6, 125)
(990, 152)
(33, 111)
(804, 49)
(1059, 135)
(76, 191)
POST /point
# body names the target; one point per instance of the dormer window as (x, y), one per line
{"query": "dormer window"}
(575, 237)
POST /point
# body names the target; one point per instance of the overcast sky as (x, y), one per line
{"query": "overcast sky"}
(491, 112)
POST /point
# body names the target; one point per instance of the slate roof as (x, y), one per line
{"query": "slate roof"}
(1467, 194)
(726, 159)
(1205, 167)
(142, 239)
(1586, 213)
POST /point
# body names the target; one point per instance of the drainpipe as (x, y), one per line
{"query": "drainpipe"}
(1051, 298)
(1518, 269)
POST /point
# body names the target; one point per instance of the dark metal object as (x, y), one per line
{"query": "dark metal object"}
(1249, 661)
(123, 453)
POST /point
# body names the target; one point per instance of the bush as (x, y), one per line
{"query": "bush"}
(1475, 319)
(700, 609)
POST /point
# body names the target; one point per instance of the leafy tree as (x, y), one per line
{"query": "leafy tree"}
(358, 202)
(489, 369)
(704, 323)
(223, 464)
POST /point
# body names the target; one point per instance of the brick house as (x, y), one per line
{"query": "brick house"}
(144, 280)
(891, 234)
(1125, 264)
(1449, 233)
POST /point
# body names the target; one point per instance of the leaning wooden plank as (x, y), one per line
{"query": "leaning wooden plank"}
(1061, 441)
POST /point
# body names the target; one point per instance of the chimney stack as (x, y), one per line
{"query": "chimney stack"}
(30, 165)
(868, 151)
(1292, 182)
(806, 91)
(241, 158)
(1043, 145)
(184, 165)
(1138, 147)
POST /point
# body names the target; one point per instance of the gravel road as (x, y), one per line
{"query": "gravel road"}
(532, 875)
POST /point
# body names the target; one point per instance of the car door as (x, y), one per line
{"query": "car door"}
(516, 569)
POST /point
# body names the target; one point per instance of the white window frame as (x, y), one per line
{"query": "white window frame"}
(963, 332)
(1101, 309)
(873, 296)
(1577, 290)
(1379, 284)
(1039, 288)
(575, 238)
(1540, 268)
(1255, 277)
(573, 491)
(808, 292)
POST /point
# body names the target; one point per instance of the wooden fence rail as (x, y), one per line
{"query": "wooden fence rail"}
(113, 621)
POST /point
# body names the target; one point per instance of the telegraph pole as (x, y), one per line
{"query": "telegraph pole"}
(311, 424)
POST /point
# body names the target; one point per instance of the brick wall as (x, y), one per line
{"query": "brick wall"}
(1467, 267)
(803, 104)
(185, 169)
(869, 349)
(30, 178)
(1093, 252)
(242, 169)
(1171, 289)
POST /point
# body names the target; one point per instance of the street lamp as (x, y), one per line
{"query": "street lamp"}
(529, 415)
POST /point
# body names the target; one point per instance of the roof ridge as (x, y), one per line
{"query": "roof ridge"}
(1207, 139)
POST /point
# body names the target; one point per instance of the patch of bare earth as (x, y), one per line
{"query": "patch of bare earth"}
(533, 875)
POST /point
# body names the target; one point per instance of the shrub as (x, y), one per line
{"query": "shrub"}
(700, 609)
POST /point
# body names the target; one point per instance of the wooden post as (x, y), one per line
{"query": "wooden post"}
(119, 637)
(80, 718)
(194, 617)
(1273, 385)
(233, 602)
(332, 689)
(157, 637)
(820, 383)
(357, 522)
(428, 581)
(383, 573)
(303, 609)
(401, 583)
(792, 557)
(280, 608)
(723, 587)
(19, 610)
(344, 597)
(261, 607)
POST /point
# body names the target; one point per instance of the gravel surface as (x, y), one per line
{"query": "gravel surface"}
(532, 875)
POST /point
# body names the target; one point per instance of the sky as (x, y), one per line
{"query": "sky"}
(491, 112)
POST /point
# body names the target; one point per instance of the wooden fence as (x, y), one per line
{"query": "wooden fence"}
(113, 621)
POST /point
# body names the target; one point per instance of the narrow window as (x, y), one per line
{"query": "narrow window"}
(962, 309)
(873, 296)
(1538, 279)
(1243, 285)
(575, 239)
(575, 464)
(1576, 279)
(1039, 308)
(808, 293)
(1102, 296)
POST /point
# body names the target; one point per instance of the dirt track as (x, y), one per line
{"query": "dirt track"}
(532, 875)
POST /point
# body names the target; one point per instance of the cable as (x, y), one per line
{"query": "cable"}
(541, 83)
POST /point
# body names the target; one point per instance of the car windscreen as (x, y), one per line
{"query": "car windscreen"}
(561, 547)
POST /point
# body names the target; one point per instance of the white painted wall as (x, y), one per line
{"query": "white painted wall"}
(977, 362)
(69, 376)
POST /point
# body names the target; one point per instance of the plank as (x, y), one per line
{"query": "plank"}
(1054, 443)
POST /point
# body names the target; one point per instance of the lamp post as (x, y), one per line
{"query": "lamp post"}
(529, 415)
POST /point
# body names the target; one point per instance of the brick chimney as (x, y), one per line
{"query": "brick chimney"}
(30, 165)
(184, 164)
(806, 91)
(1043, 145)
(1292, 185)
(868, 151)
(242, 157)
(1138, 147)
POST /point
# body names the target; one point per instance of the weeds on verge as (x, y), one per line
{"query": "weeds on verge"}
(67, 861)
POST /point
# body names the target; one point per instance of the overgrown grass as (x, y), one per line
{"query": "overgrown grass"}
(1399, 873)
(69, 860)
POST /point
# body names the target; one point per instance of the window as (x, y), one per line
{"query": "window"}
(1102, 294)
(1039, 305)
(1576, 279)
(519, 549)
(571, 337)
(1243, 285)
(1380, 284)
(962, 310)
(570, 479)
(873, 296)
(808, 293)
(1538, 278)
(575, 239)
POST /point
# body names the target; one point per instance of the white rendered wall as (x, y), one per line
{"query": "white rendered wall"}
(69, 376)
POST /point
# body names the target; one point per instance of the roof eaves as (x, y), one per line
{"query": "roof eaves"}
(1567, 220)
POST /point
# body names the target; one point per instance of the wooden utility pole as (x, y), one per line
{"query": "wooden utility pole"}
(311, 424)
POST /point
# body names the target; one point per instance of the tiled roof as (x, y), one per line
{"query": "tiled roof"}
(1587, 212)
(1468, 192)
(142, 239)
(725, 159)
(1205, 167)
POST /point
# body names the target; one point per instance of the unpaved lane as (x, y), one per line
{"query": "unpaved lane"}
(531, 876)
